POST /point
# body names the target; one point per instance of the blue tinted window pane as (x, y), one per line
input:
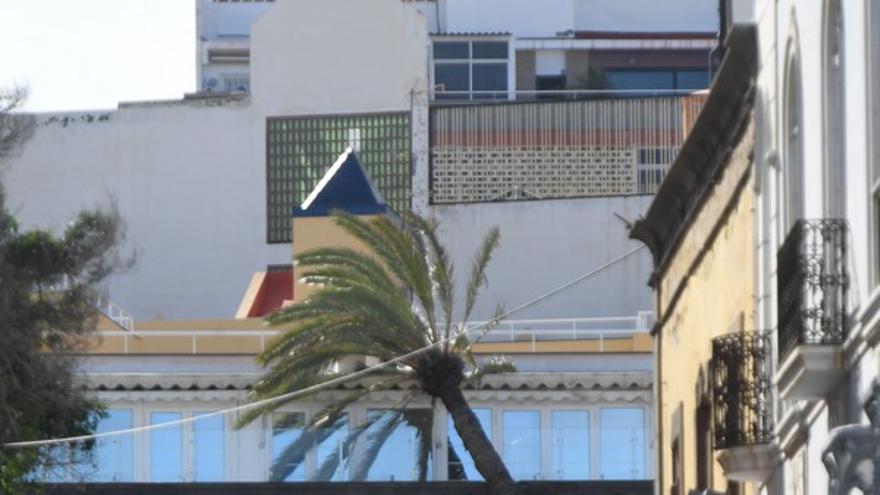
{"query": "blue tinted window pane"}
(332, 452)
(490, 49)
(402, 444)
(451, 49)
(489, 77)
(114, 456)
(461, 464)
(209, 448)
(522, 443)
(571, 445)
(452, 77)
(622, 443)
(640, 79)
(58, 470)
(692, 79)
(166, 448)
(288, 458)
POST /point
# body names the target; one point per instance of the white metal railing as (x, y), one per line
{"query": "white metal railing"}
(599, 329)
(103, 304)
(116, 313)
(439, 96)
(557, 148)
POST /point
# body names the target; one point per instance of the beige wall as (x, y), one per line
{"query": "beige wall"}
(712, 272)
(315, 232)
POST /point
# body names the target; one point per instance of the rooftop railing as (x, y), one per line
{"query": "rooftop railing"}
(251, 336)
(600, 329)
(591, 144)
(440, 97)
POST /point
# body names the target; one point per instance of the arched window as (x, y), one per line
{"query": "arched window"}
(793, 193)
(834, 121)
(873, 73)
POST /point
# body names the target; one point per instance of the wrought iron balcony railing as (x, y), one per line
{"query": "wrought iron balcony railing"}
(741, 389)
(812, 285)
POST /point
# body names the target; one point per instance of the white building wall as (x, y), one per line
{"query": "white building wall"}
(547, 243)
(511, 16)
(189, 177)
(518, 16)
(646, 15)
(800, 24)
(189, 182)
(338, 56)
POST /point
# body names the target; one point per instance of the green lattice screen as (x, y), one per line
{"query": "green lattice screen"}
(301, 149)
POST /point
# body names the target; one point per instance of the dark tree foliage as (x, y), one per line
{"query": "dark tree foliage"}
(48, 286)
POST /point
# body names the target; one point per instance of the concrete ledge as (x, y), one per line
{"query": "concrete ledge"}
(753, 463)
(810, 372)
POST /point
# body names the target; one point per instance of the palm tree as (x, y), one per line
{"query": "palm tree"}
(385, 304)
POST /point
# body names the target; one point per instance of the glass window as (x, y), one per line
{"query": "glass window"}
(166, 448)
(490, 49)
(288, 457)
(622, 443)
(453, 77)
(522, 443)
(300, 149)
(451, 49)
(332, 452)
(208, 448)
(639, 79)
(692, 79)
(570, 432)
(489, 77)
(395, 448)
(460, 464)
(466, 73)
(114, 456)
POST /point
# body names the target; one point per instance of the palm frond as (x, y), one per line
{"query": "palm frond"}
(478, 270)
(376, 440)
(441, 270)
(400, 252)
(331, 464)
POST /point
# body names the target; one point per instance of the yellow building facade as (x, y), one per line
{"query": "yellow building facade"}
(701, 230)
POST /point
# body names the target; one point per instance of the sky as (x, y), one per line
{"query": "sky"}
(92, 54)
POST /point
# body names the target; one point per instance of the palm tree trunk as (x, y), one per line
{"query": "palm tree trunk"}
(486, 458)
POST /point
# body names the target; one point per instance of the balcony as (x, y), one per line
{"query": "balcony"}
(742, 423)
(610, 144)
(813, 285)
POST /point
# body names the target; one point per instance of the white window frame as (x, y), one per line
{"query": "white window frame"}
(142, 408)
(646, 427)
(269, 453)
(471, 62)
(142, 441)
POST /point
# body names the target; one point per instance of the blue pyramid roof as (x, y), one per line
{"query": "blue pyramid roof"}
(345, 186)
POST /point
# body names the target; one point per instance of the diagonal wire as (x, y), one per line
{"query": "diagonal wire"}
(335, 381)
